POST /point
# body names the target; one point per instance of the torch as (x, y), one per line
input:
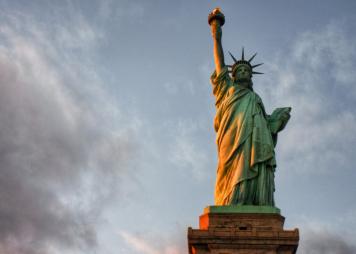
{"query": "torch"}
(216, 14)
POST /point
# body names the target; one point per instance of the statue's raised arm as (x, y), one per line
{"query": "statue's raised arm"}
(216, 20)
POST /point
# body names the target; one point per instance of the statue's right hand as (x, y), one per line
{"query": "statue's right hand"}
(216, 31)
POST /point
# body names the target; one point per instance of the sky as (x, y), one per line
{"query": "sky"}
(106, 138)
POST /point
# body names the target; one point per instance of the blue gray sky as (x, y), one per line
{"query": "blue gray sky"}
(106, 110)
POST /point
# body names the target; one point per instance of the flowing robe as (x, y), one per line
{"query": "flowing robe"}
(246, 159)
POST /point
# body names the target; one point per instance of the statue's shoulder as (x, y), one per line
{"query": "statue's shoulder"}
(223, 76)
(258, 98)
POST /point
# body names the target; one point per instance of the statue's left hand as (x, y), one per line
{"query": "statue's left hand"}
(279, 119)
(285, 115)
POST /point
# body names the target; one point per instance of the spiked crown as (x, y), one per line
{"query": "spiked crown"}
(242, 61)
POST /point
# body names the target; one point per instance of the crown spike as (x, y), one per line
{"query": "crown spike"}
(252, 57)
(243, 54)
(255, 72)
(232, 57)
(256, 65)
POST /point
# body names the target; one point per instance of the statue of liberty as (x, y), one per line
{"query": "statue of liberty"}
(246, 134)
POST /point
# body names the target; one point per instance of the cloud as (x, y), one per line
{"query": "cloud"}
(323, 241)
(124, 10)
(333, 234)
(329, 50)
(60, 156)
(138, 244)
(141, 244)
(316, 78)
(184, 152)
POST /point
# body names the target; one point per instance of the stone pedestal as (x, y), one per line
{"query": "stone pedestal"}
(242, 230)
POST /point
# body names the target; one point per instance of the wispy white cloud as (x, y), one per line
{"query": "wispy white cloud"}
(184, 150)
(123, 10)
(329, 50)
(143, 245)
(186, 86)
(170, 87)
(317, 79)
(138, 243)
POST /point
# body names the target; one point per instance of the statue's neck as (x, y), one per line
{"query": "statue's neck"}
(245, 84)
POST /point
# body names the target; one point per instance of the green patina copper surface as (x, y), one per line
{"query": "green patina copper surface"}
(242, 209)
(246, 134)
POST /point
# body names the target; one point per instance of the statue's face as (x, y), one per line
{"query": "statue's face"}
(243, 73)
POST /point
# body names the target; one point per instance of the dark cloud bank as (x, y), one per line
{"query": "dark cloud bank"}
(58, 162)
(325, 243)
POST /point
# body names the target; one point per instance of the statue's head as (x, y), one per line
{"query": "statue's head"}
(242, 70)
(242, 73)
